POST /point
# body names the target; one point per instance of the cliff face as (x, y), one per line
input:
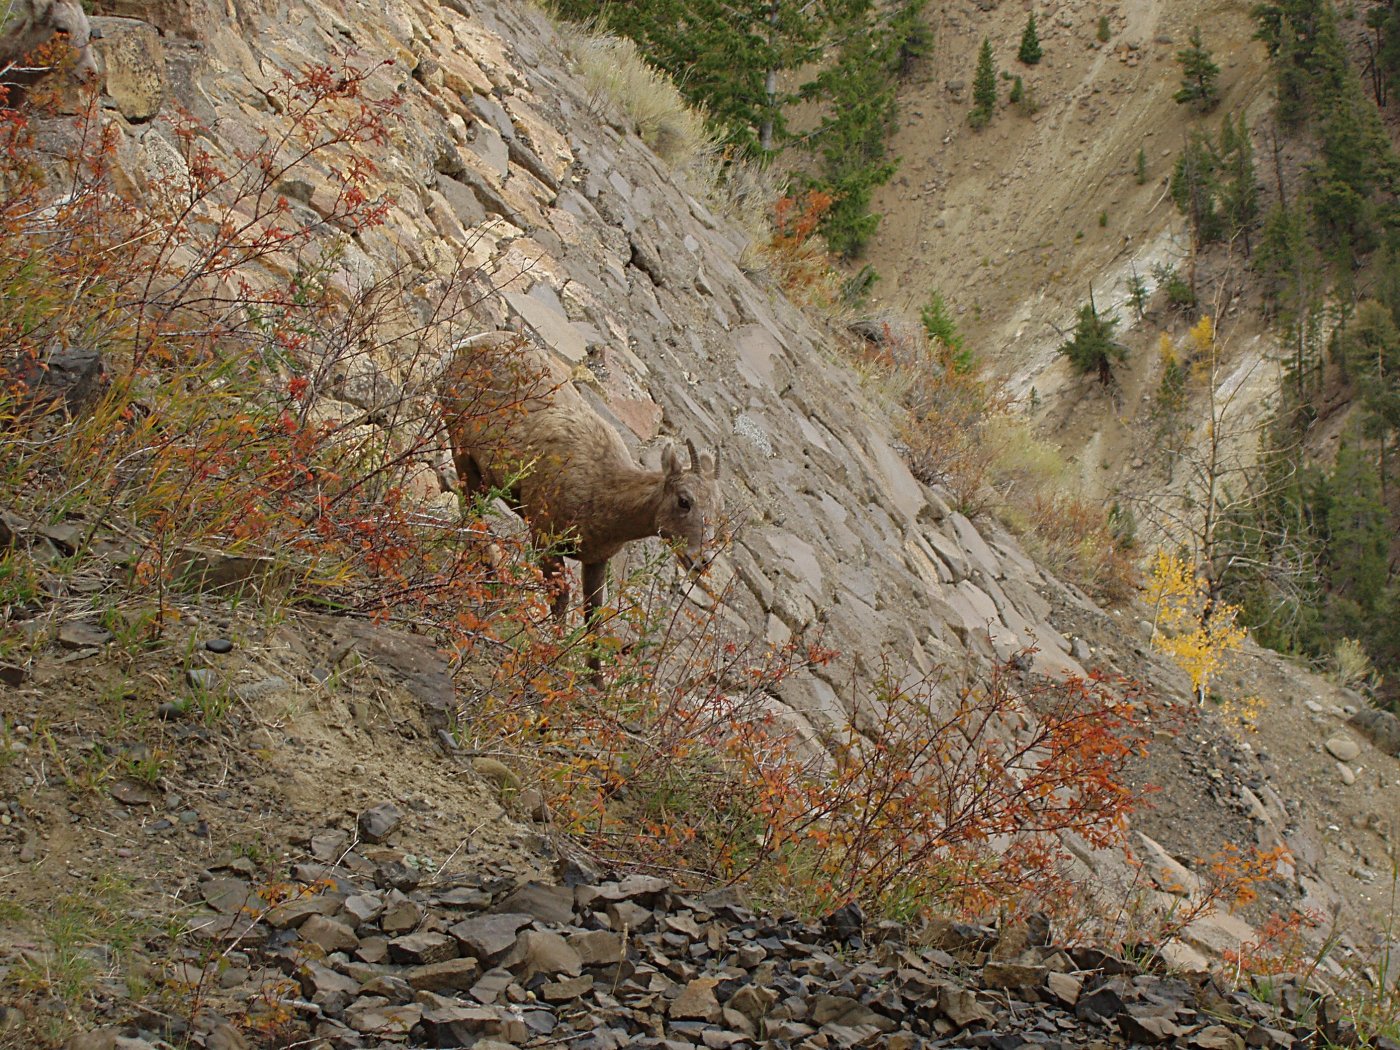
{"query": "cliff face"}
(511, 182)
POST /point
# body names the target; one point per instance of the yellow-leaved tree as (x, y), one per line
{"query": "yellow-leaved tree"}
(1197, 631)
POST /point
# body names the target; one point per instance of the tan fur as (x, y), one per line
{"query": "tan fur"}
(511, 414)
(30, 23)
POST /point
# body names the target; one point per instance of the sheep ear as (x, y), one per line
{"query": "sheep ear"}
(670, 462)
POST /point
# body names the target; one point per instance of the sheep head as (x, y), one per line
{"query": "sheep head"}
(691, 503)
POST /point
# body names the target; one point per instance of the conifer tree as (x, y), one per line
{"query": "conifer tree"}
(850, 142)
(1358, 534)
(1198, 75)
(1239, 189)
(1092, 347)
(1030, 52)
(984, 87)
(1195, 189)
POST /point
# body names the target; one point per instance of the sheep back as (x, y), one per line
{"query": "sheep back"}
(513, 411)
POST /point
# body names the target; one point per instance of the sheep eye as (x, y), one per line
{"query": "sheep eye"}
(683, 502)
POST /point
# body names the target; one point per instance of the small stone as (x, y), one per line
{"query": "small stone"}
(1148, 1029)
(488, 936)
(79, 635)
(420, 949)
(451, 975)
(697, 1001)
(201, 678)
(1064, 986)
(1342, 747)
(219, 645)
(331, 934)
(377, 823)
(1347, 774)
(545, 952)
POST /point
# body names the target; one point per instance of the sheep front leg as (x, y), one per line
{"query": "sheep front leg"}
(595, 578)
(556, 579)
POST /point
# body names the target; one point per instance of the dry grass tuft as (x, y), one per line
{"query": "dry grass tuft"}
(614, 72)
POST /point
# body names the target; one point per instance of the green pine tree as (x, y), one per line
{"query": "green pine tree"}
(1092, 347)
(1369, 352)
(850, 143)
(984, 87)
(1358, 534)
(1030, 52)
(1239, 189)
(1195, 188)
(1198, 75)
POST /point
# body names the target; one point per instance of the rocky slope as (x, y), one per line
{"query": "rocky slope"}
(503, 165)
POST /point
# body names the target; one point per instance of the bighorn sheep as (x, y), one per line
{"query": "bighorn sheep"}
(25, 24)
(515, 423)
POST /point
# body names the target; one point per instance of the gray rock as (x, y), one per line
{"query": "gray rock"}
(1381, 726)
(379, 822)
(420, 949)
(548, 904)
(329, 990)
(487, 937)
(80, 635)
(330, 934)
(1342, 747)
(540, 951)
(451, 975)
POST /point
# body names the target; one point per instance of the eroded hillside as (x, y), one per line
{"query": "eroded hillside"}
(505, 176)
